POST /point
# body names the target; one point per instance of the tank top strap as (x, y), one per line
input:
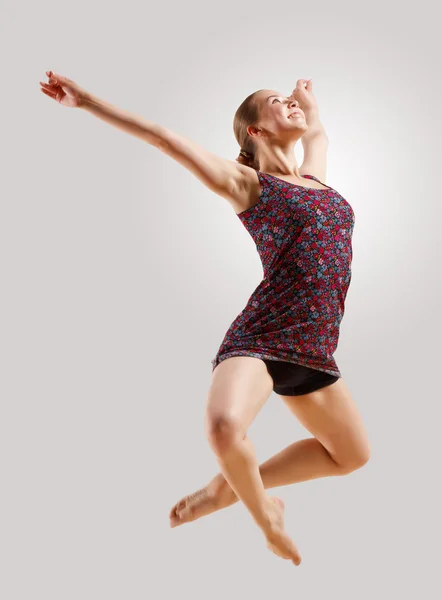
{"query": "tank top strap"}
(316, 179)
(266, 182)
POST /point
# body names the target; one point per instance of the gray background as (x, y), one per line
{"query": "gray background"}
(121, 272)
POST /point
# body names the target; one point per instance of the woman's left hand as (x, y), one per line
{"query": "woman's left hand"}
(304, 95)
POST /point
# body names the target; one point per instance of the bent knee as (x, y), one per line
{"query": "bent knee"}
(356, 461)
(222, 432)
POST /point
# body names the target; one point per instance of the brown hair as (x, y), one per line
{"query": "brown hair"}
(247, 114)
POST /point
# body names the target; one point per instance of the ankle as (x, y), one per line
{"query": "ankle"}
(221, 492)
(270, 520)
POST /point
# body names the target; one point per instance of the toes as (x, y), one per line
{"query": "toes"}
(277, 551)
(185, 513)
(296, 557)
(179, 513)
(296, 560)
(178, 506)
(174, 519)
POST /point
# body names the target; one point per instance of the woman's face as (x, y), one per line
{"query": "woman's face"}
(280, 115)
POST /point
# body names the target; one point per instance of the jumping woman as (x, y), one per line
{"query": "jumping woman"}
(285, 338)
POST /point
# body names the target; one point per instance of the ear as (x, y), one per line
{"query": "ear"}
(251, 130)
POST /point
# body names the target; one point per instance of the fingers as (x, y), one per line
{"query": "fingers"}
(52, 89)
(53, 75)
(48, 86)
(59, 78)
(53, 92)
(303, 84)
(51, 95)
(52, 79)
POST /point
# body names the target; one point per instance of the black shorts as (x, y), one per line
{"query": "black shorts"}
(290, 379)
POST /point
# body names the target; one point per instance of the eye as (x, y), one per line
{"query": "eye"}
(273, 101)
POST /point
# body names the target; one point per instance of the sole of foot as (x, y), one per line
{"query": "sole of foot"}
(278, 540)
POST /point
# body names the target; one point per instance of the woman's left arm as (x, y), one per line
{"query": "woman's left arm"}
(315, 126)
(314, 140)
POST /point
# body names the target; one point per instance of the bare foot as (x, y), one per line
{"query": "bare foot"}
(278, 541)
(214, 496)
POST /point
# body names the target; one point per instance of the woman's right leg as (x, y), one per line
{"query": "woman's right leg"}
(240, 387)
(331, 415)
(301, 461)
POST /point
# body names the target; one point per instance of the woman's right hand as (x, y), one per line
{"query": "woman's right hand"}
(63, 90)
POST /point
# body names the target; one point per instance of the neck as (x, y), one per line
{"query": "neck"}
(278, 160)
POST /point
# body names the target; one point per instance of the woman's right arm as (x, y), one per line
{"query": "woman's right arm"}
(227, 178)
(224, 177)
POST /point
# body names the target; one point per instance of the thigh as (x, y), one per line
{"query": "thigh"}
(240, 387)
(331, 415)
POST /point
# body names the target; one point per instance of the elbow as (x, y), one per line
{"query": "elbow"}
(156, 135)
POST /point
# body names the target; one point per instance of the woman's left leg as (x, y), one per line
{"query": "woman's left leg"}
(332, 417)
(339, 446)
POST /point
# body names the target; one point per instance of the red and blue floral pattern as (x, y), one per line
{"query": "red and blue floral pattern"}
(304, 239)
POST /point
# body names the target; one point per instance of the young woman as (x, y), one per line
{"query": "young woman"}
(285, 337)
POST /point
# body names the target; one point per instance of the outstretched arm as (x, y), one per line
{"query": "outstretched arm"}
(122, 119)
(226, 178)
(222, 176)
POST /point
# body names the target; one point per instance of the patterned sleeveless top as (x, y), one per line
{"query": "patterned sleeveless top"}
(304, 240)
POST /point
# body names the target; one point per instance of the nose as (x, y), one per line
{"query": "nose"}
(294, 103)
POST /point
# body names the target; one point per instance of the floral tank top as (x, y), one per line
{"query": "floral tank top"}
(304, 239)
